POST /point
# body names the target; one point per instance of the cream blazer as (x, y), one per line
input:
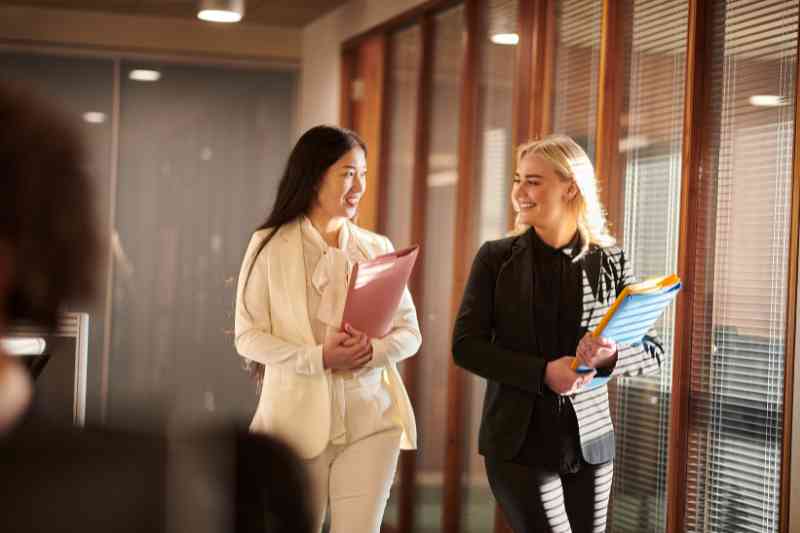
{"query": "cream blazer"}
(274, 329)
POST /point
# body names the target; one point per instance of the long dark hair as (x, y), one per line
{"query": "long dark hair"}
(315, 152)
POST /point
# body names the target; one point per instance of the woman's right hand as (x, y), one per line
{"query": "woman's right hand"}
(562, 379)
(337, 354)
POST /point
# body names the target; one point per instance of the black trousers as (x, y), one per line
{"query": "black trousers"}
(539, 501)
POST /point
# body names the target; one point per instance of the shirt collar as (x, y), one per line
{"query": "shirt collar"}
(313, 235)
(571, 249)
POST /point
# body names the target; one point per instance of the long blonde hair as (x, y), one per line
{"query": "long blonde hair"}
(572, 164)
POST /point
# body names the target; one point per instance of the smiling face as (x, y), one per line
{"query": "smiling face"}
(343, 186)
(541, 196)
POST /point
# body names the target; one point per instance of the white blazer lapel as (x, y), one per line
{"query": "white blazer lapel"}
(292, 285)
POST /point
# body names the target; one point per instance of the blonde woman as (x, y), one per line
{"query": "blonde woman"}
(530, 300)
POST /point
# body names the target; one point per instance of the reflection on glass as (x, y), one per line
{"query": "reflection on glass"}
(403, 88)
(201, 153)
(577, 64)
(651, 137)
(83, 88)
(431, 407)
(493, 163)
(403, 83)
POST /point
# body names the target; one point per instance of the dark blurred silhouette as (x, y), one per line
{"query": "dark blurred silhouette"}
(48, 232)
(225, 480)
(63, 479)
(48, 236)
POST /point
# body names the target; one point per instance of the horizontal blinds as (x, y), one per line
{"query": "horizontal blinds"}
(651, 144)
(736, 402)
(577, 63)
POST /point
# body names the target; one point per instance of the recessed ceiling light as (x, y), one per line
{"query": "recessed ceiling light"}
(767, 100)
(216, 15)
(505, 38)
(94, 117)
(633, 142)
(220, 10)
(141, 74)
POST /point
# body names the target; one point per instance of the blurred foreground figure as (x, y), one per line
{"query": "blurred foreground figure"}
(59, 479)
(48, 238)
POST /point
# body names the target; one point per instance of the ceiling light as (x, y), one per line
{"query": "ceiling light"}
(505, 38)
(502, 25)
(141, 74)
(767, 100)
(633, 142)
(220, 10)
(94, 117)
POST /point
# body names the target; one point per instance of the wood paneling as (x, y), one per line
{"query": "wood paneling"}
(543, 41)
(523, 91)
(367, 112)
(348, 76)
(608, 162)
(689, 246)
(406, 18)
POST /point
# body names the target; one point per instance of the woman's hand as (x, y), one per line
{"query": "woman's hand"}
(346, 350)
(559, 376)
(596, 352)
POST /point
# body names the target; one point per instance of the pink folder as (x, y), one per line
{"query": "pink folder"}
(375, 290)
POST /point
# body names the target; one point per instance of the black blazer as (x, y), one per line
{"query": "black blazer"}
(493, 338)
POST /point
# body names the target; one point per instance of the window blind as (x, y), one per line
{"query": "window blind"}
(577, 64)
(651, 145)
(737, 359)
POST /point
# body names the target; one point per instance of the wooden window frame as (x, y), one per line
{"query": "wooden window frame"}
(790, 521)
(424, 16)
(532, 109)
(697, 92)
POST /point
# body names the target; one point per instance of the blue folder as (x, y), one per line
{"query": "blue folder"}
(631, 320)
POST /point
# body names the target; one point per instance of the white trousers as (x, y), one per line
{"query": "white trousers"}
(355, 479)
(354, 474)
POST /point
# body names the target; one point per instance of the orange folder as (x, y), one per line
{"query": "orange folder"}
(375, 290)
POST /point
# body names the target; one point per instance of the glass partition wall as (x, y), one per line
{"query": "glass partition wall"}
(186, 160)
(687, 109)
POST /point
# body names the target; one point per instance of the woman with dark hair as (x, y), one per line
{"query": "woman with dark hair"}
(335, 395)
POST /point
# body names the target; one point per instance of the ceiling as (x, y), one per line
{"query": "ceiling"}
(284, 13)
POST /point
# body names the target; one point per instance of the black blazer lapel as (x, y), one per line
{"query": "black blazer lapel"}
(514, 292)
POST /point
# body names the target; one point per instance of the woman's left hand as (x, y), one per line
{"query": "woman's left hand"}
(596, 352)
(357, 337)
